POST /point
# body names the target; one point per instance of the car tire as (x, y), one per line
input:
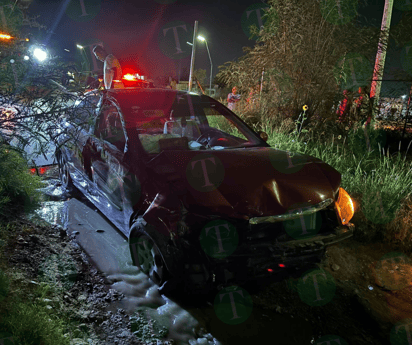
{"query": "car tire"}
(148, 257)
(174, 280)
(64, 174)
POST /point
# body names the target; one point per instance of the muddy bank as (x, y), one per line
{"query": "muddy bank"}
(365, 300)
(46, 254)
(355, 313)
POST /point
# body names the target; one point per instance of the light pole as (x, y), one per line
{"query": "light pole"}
(211, 65)
(192, 59)
(381, 56)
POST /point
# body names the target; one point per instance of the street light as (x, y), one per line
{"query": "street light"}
(5, 37)
(201, 38)
(40, 54)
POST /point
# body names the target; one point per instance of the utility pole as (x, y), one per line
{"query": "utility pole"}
(192, 60)
(381, 56)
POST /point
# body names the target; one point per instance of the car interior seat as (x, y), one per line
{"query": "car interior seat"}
(172, 127)
(185, 128)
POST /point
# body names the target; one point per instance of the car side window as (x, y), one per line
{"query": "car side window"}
(85, 111)
(221, 123)
(109, 126)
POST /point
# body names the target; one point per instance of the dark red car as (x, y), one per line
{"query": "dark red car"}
(202, 198)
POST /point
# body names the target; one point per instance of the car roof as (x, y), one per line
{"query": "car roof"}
(139, 90)
(132, 99)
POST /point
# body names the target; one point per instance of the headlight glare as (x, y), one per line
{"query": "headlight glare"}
(344, 206)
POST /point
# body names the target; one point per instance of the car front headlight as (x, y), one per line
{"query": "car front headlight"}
(344, 206)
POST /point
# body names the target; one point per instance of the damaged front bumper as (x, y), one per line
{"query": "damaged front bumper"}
(291, 252)
(266, 248)
(258, 259)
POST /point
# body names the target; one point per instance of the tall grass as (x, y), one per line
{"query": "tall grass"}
(21, 315)
(31, 313)
(379, 182)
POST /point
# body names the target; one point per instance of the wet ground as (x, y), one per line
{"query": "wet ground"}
(359, 295)
(107, 249)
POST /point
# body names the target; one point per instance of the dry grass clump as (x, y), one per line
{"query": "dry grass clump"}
(399, 231)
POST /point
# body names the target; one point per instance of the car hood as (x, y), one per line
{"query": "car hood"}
(249, 181)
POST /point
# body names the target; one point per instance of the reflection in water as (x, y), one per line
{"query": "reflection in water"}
(143, 296)
(52, 212)
(53, 207)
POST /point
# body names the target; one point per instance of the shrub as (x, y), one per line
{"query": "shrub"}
(18, 188)
(364, 139)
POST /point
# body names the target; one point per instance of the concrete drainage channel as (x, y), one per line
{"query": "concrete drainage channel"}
(125, 306)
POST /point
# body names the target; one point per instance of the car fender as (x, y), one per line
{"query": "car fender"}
(172, 255)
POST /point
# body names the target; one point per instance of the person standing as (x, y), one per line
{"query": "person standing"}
(344, 108)
(111, 68)
(232, 98)
(365, 105)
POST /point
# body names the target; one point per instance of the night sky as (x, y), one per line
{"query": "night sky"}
(131, 29)
(140, 33)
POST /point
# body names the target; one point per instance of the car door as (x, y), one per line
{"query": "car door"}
(107, 148)
(83, 117)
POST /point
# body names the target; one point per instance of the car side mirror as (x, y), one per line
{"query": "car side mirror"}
(263, 135)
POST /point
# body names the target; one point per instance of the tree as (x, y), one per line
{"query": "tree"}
(32, 99)
(307, 51)
(200, 75)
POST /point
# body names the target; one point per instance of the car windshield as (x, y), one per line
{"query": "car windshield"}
(184, 121)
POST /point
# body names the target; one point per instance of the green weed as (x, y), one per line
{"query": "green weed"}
(18, 188)
(380, 183)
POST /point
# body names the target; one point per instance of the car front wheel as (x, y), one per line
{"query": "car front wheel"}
(148, 258)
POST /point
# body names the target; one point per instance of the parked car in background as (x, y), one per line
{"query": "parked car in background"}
(202, 198)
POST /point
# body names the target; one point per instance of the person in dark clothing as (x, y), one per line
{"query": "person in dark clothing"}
(364, 105)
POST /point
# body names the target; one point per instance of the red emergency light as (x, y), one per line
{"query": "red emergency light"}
(129, 76)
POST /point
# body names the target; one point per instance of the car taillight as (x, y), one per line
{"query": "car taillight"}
(279, 265)
(344, 206)
(39, 171)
